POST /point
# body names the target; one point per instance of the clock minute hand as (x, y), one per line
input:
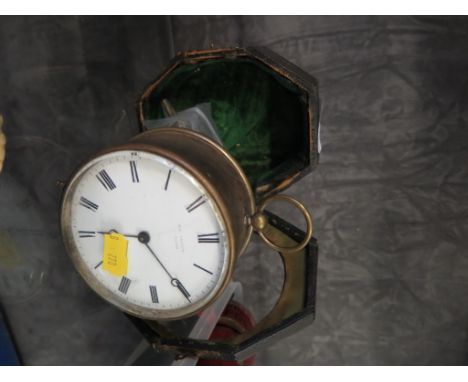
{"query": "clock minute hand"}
(179, 285)
(143, 237)
(159, 261)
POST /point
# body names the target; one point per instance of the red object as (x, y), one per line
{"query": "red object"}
(236, 319)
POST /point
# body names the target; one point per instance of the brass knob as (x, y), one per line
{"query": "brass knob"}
(259, 222)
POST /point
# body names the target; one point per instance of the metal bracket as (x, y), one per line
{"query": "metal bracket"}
(294, 309)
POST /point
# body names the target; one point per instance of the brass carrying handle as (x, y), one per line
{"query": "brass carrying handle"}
(259, 223)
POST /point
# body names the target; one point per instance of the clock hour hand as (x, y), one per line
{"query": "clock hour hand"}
(115, 231)
(144, 238)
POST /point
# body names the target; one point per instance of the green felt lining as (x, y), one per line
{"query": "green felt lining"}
(261, 117)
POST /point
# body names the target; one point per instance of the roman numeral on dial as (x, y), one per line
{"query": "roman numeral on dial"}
(208, 238)
(133, 169)
(88, 204)
(106, 180)
(124, 285)
(196, 203)
(167, 180)
(87, 233)
(154, 294)
(203, 269)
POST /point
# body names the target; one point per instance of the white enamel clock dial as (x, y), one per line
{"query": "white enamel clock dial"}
(177, 248)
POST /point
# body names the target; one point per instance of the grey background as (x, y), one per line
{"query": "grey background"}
(389, 198)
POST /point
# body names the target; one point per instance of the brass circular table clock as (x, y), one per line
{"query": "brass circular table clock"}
(155, 226)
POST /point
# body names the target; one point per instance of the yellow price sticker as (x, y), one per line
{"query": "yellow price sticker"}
(115, 259)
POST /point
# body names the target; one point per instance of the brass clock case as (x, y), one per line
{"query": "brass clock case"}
(221, 177)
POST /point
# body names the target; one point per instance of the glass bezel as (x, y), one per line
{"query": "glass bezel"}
(112, 297)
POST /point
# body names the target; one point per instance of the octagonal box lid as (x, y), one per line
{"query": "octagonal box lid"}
(266, 110)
